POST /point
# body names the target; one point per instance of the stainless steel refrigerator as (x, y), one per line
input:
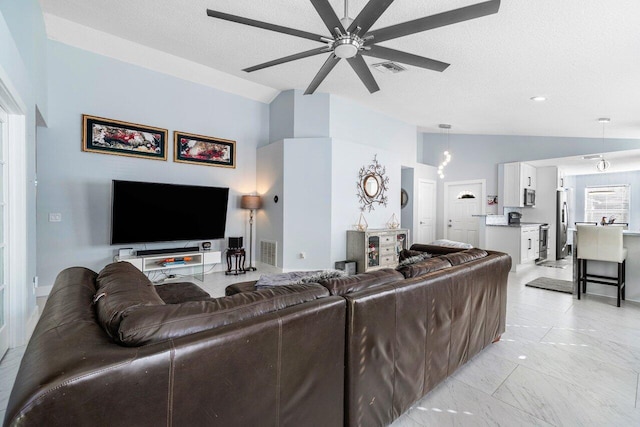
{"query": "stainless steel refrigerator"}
(562, 224)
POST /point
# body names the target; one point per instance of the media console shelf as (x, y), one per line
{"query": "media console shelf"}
(194, 260)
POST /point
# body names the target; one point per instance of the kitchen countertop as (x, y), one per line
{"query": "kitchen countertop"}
(522, 224)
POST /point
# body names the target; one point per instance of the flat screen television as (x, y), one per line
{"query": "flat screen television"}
(145, 212)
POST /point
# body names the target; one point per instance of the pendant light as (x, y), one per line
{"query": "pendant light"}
(603, 164)
(447, 154)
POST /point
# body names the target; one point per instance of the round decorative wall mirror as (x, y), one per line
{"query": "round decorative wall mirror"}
(372, 185)
(404, 198)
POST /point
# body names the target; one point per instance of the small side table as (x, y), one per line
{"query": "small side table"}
(239, 256)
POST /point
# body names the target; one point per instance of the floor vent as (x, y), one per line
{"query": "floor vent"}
(268, 252)
(389, 67)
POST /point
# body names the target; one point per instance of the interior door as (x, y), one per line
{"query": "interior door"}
(463, 200)
(4, 300)
(426, 212)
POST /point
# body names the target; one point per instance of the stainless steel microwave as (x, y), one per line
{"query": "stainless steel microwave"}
(529, 197)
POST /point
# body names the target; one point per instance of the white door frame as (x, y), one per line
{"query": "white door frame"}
(483, 204)
(418, 209)
(17, 288)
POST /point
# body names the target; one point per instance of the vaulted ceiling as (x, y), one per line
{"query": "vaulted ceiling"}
(583, 56)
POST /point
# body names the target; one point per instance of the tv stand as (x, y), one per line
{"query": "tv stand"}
(159, 262)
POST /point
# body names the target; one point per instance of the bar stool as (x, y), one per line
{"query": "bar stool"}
(601, 244)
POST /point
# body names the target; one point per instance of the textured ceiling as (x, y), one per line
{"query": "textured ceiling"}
(582, 55)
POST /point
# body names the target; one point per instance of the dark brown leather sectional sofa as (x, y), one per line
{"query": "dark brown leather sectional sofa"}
(356, 351)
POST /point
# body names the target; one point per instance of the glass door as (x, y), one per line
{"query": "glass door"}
(4, 300)
(373, 251)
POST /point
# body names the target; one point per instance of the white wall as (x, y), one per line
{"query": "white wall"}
(78, 184)
(23, 73)
(347, 159)
(270, 183)
(307, 203)
(361, 125)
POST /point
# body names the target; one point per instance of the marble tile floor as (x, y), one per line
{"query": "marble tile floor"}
(561, 362)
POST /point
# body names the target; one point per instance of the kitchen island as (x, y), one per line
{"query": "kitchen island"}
(631, 241)
(521, 241)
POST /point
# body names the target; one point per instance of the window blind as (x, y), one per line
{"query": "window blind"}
(610, 202)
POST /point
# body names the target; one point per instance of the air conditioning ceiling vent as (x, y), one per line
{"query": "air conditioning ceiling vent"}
(389, 67)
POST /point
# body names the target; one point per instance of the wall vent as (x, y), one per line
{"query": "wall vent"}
(389, 67)
(268, 252)
(592, 157)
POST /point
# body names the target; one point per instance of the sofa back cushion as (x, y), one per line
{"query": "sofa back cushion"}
(149, 324)
(347, 284)
(424, 267)
(120, 288)
(465, 256)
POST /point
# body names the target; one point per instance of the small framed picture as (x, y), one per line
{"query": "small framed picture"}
(204, 150)
(107, 136)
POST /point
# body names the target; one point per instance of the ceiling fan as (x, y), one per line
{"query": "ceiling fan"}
(351, 38)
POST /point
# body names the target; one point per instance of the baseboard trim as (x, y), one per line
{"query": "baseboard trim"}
(43, 291)
(32, 322)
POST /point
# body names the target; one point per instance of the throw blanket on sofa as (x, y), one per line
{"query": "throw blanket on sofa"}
(297, 278)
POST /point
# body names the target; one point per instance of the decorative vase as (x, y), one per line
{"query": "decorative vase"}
(362, 224)
(393, 222)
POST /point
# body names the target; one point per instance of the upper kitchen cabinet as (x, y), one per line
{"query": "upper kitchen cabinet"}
(518, 177)
(560, 182)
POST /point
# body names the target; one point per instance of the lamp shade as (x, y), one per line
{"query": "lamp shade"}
(250, 202)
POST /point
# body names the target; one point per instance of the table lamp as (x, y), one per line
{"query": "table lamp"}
(250, 202)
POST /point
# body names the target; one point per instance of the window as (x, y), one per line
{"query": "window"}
(610, 202)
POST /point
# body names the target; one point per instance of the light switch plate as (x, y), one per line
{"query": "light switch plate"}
(55, 217)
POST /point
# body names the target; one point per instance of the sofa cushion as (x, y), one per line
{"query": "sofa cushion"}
(122, 287)
(419, 256)
(424, 267)
(178, 292)
(347, 284)
(237, 288)
(465, 256)
(408, 253)
(149, 324)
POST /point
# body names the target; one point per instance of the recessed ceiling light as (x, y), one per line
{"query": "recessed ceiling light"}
(538, 98)
(604, 120)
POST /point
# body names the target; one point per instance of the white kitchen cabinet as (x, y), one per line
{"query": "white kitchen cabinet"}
(527, 176)
(529, 243)
(518, 176)
(521, 243)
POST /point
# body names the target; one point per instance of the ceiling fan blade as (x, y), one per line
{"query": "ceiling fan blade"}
(328, 15)
(369, 15)
(326, 68)
(435, 21)
(288, 59)
(405, 58)
(265, 25)
(362, 70)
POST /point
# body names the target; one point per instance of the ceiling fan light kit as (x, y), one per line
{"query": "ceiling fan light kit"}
(351, 39)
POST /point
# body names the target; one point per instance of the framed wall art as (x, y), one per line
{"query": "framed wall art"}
(107, 136)
(204, 150)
